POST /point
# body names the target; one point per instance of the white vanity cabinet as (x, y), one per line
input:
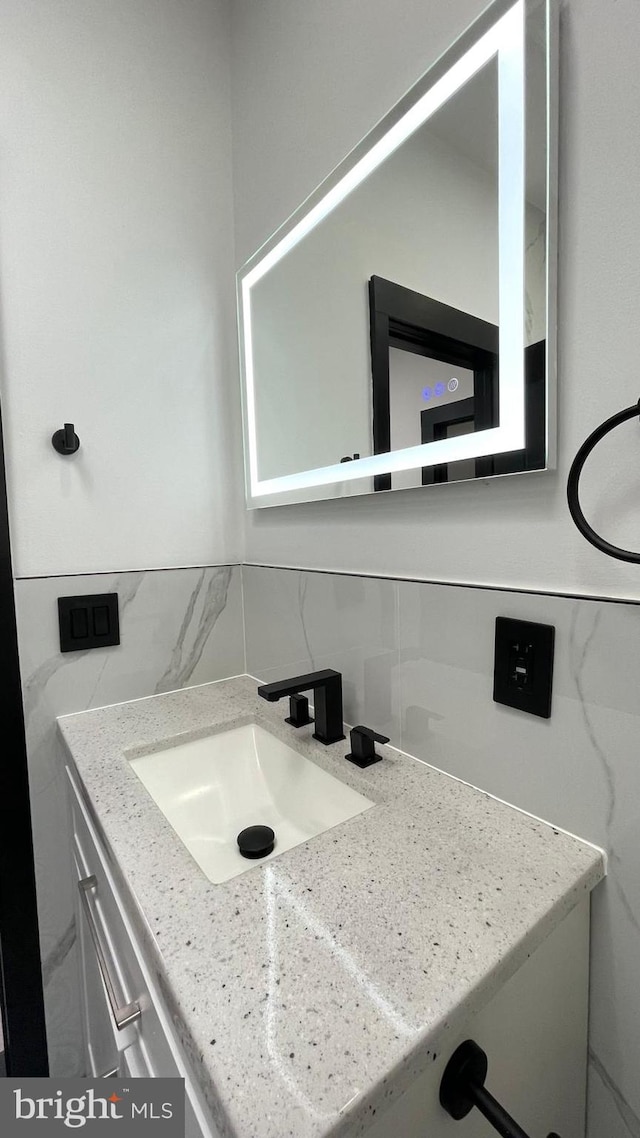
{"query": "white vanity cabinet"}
(127, 1028)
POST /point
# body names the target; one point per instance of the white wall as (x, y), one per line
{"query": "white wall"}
(309, 81)
(116, 283)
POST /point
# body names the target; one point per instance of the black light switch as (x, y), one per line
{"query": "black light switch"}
(523, 666)
(101, 624)
(79, 623)
(88, 622)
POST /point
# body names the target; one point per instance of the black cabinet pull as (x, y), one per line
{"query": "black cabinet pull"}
(462, 1088)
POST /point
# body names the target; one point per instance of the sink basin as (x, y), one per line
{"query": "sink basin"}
(210, 789)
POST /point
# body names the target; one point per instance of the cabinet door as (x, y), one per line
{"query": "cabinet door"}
(147, 1046)
(135, 1063)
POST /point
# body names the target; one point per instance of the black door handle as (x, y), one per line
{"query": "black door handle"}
(462, 1088)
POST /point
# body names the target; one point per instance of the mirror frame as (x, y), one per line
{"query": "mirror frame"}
(499, 32)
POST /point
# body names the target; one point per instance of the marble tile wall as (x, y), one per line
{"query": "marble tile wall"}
(177, 627)
(417, 661)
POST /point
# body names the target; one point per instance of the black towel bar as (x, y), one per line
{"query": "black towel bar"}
(462, 1088)
(574, 478)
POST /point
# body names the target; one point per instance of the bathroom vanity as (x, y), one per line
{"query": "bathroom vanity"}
(320, 990)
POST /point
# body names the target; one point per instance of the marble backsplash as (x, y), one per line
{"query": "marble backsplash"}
(417, 664)
(177, 627)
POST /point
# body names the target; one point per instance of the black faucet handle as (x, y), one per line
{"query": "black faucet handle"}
(363, 750)
(298, 711)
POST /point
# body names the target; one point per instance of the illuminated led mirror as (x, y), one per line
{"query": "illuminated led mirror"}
(398, 330)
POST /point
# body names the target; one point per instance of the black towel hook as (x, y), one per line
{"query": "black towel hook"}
(462, 1088)
(575, 508)
(66, 440)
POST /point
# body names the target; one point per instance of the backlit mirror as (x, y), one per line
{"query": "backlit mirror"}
(398, 330)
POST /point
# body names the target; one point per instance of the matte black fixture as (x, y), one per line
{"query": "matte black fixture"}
(363, 746)
(65, 441)
(88, 622)
(462, 1088)
(327, 700)
(298, 711)
(256, 841)
(523, 665)
(573, 482)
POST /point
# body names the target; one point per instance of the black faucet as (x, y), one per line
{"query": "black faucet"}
(327, 700)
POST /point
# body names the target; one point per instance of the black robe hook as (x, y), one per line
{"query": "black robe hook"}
(66, 440)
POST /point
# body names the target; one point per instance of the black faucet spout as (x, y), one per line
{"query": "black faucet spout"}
(270, 696)
(327, 698)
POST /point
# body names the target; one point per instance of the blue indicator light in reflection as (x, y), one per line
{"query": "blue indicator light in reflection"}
(426, 394)
(439, 388)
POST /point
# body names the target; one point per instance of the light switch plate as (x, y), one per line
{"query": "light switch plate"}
(523, 665)
(91, 621)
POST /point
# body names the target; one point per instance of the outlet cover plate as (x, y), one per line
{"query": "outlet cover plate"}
(523, 665)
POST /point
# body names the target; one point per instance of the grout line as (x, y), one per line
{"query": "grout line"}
(517, 589)
(119, 572)
(448, 584)
(400, 672)
(244, 620)
(152, 695)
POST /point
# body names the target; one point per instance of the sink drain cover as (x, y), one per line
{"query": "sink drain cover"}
(256, 841)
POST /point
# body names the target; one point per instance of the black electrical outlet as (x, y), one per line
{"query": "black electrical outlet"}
(523, 665)
(88, 622)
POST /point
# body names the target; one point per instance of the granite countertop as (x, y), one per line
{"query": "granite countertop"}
(311, 990)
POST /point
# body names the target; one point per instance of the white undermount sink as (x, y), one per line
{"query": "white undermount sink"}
(210, 789)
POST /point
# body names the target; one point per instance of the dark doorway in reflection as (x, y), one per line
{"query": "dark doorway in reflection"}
(451, 388)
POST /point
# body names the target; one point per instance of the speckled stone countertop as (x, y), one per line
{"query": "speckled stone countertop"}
(311, 990)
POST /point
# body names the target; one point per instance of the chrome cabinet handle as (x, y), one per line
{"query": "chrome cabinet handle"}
(122, 1016)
